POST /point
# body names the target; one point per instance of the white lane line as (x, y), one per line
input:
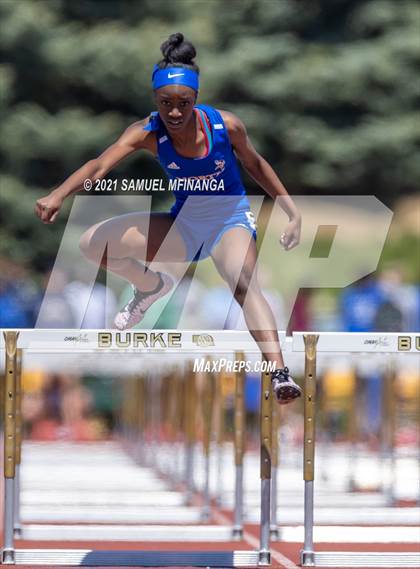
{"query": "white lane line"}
(254, 543)
(354, 534)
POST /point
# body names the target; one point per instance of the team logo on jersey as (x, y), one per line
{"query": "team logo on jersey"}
(220, 165)
(173, 166)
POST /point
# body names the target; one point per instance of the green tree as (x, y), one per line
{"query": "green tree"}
(326, 88)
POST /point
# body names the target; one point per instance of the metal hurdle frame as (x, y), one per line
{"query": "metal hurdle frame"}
(239, 444)
(10, 455)
(207, 410)
(190, 433)
(275, 533)
(311, 344)
(54, 341)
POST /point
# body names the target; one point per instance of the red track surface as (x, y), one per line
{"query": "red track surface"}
(289, 550)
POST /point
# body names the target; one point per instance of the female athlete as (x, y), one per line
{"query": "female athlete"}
(191, 142)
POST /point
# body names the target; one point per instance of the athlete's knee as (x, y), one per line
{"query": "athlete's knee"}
(244, 285)
(91, 245)
(97, 242)
(132, 244)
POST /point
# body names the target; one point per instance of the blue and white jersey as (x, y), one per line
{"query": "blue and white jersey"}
(206, 210)
(219, 164)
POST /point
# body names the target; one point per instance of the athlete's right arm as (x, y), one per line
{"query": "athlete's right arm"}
(134, 138)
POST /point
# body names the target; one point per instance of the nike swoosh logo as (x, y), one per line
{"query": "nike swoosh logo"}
(175, 75)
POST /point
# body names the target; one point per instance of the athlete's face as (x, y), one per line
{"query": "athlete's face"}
(175, 105)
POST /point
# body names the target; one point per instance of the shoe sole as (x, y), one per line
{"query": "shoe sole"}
(287, 393)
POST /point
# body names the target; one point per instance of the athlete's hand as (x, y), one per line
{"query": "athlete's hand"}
(291, 235)
(48, 208)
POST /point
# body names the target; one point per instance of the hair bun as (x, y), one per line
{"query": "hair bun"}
(176, 39)
(176, 50)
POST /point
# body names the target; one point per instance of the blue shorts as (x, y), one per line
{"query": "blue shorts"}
(202, 221)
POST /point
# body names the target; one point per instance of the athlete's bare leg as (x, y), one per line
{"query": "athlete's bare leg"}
(125, 243)
(235, 257)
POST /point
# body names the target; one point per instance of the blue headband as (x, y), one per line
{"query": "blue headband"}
(174, 76)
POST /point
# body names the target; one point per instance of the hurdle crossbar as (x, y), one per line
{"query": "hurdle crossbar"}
(311, 344)
(142, 342)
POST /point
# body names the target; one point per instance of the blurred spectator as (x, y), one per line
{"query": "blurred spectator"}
(55, 310)
(93, 308)
(384, 304)
(323, 311)
(400, 309)
(19, 296)
(45, 427)
(300, 319)
(65, 412)
(359, 305)
(12, 313)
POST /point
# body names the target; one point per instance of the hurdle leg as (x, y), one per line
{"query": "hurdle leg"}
(190, 432)
(389, 419)
(8, 554)
(220, 433)
(147, 420)
(179, 422)
(266, 431)
(140, 453)
(239, 445)
(307, 555)
(167, 396)
(208, 403)
(17, 527)
(354, 429)
(153, 402)
(274, 529)
(171, 387)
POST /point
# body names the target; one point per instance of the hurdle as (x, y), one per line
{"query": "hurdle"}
(274, 528)
(386, 434)
(239, 442)
(10, 456)
(388, 431)
(312, 344)
(17, 527)
(208, 403)
(97, 342)
(53, 342)
(190, 433)
(181, 414)
(219, 435)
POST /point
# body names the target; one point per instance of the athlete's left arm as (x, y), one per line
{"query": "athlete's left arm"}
(261, 171)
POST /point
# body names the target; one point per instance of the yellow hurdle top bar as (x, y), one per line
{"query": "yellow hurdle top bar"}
(208, 341)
